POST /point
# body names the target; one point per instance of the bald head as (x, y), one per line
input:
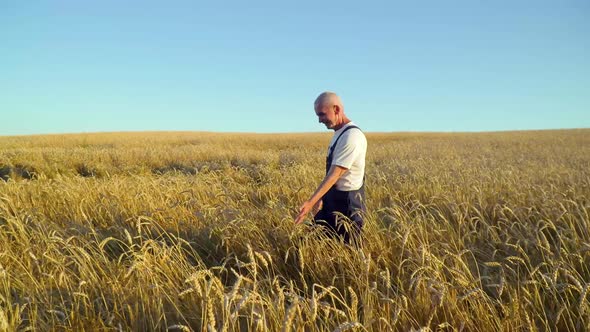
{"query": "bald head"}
(330, 111)
(328, 99)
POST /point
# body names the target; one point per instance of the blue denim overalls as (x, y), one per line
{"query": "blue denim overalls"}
(351, 204)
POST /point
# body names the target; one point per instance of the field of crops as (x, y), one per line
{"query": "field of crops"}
(194, 231)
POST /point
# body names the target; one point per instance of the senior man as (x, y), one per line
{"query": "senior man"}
(342, 192)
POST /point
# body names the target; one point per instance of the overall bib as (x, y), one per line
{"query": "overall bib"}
(337, 203)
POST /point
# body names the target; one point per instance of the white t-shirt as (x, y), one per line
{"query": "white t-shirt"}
(350, 153)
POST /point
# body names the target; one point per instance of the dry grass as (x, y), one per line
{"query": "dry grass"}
(193, 231)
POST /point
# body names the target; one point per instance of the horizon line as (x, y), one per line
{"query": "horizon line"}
(293, 133)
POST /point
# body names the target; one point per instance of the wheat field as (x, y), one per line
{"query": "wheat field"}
(185, 231)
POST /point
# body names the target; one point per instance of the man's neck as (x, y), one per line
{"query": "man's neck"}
(342, 124)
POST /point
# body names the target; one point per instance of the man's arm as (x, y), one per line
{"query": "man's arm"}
(333, 175)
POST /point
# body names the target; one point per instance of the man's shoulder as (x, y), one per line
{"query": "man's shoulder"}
(354, 137)
(354, 132)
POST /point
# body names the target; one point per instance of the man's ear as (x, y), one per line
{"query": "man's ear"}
(336, 109)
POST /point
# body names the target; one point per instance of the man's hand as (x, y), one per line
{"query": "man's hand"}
(333, 175)
(305, 208)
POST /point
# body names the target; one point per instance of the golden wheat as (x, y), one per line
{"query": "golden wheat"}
(193, 231)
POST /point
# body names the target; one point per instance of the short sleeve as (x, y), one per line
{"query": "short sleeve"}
(348, 148)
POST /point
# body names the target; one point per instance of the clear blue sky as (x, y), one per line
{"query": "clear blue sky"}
(86, 66)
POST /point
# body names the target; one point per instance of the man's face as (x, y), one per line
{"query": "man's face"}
(326, 115)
